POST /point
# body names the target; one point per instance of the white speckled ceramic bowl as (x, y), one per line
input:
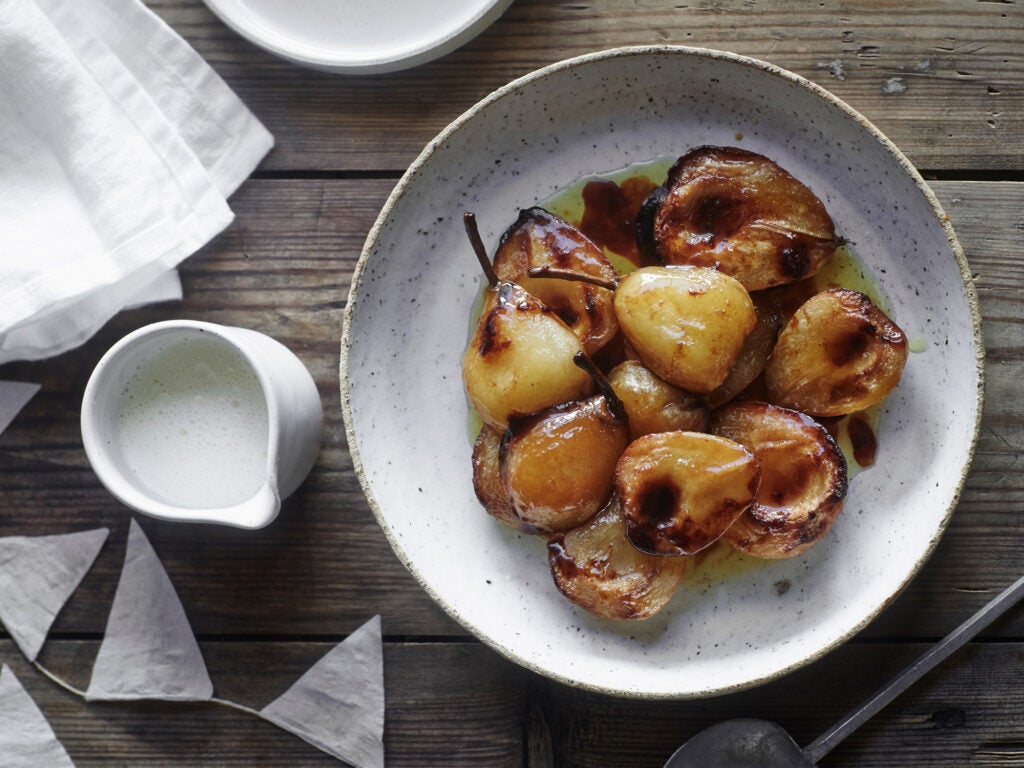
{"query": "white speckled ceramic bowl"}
(408, 321)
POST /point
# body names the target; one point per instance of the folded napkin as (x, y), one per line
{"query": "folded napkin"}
(118, 148)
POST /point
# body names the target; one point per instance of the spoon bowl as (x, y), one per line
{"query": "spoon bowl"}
(741, 743)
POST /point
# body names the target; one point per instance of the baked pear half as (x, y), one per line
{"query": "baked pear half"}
(803, 478)
(680, 491)
(538, 239)
(687, 324)
(520, 358)
(741, 213)
(839, 353)
(596, 568)
(654, 405)
(557, 465)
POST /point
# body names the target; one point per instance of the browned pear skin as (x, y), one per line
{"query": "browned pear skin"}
(541, 239)
(740, 212)
(753, 355)
(487, 481)
(687, 324)
(654, 405)
(838, 354)
(596, 568)
(803, 478)
(520, 359)
(557, 465)
(680, 491)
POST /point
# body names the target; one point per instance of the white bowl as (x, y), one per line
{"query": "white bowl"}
(407, 323)
(354, 37)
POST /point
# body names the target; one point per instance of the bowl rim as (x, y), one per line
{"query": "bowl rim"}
(251, 26)
(550, 70)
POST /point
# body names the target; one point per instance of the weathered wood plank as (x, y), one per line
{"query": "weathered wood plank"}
(457, 704)
(283, 268)
(956, 717)
(450, 704)
(901, 65)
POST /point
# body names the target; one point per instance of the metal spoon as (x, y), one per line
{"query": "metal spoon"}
(763, 744)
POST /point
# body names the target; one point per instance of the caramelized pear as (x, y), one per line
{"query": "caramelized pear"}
(687, 324)
(680, 491)
(596, 568)
(541, 239)
(654, 405)
(520, 359)
(557, 464)
(839, 353)
(742, 213)
(803, 478)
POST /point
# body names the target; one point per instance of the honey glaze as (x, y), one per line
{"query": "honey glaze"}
(718, 563)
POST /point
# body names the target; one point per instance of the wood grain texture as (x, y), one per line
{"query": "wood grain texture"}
(457, 704)
(904, 66)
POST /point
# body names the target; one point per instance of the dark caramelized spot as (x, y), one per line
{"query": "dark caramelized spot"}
(564, 309)
(719, 217)
(782, 489)
(851, 345)
(653, 527)
(795, 259)
(569, 317)
(863, 440)
(491, 341)
(658, 502)
(646, 242)
(645, 538)
(611, 211)
(560, 560)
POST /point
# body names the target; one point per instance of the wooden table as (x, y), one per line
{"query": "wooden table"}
(266, 605)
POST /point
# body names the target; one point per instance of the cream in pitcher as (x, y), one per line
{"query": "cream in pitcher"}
(192, 425)
(198, 422)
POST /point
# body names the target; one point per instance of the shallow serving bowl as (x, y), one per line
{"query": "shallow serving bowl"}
(408, 320)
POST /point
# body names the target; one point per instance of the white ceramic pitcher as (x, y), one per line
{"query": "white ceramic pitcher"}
(294, 420)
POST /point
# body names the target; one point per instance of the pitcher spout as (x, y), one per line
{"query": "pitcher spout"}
(258, 511)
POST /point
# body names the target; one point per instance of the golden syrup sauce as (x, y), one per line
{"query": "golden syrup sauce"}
(718, 563)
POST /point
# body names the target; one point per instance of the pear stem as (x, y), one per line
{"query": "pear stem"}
(473, 232)
(615, 406)
(561, 273)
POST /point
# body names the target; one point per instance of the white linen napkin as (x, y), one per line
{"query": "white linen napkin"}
(118, 148)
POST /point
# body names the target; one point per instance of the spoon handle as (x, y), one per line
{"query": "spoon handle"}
(932, 658)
